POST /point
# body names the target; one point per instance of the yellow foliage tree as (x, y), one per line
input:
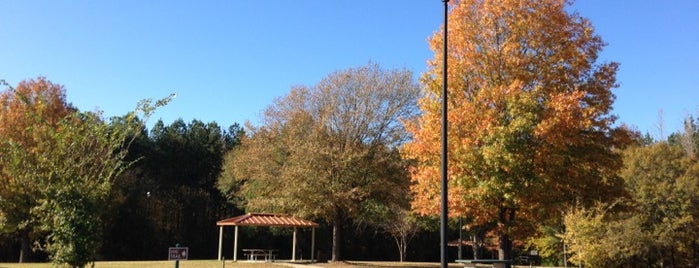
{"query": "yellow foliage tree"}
(329, 151)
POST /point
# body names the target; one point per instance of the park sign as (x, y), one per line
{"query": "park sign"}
(178, 253)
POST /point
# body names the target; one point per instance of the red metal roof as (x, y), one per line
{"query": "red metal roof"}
(266, 219)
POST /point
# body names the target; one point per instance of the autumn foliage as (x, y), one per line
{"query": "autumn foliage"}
(31, 100)
(529, 118)
(57, 168)
(24, 109)
(328, 151)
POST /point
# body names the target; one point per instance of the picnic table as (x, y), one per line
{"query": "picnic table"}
(496, 263)
(254, 254)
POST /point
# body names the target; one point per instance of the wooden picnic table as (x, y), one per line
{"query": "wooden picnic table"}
(254, 253)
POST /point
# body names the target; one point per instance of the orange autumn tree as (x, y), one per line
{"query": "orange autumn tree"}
(23, 109)
(530, 129)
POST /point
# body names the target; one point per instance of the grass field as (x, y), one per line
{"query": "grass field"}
(154, 264)
(230, 264)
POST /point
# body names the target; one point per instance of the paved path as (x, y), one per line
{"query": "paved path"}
(294, 265)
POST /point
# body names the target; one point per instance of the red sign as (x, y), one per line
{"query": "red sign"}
(178, 253)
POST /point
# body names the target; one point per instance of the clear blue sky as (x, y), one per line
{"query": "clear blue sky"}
(227, 60)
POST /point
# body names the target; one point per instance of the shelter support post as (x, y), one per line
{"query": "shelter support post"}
(293, 244)
(235, 245)
(313, 243)
(220, 241)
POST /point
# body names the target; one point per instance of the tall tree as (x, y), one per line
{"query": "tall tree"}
(76, 166)
(529, 123)
(328, 151)
(170, 195)
(186, 161)
(125, 221)
(32, 104)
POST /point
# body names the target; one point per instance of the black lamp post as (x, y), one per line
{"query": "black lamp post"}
(444, 215)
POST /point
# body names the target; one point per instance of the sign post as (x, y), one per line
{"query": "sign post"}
(178, 253)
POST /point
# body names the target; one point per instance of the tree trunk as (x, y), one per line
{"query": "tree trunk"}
(506, 218)
(505, 248)
(694, 254)
(25, 247)
(401, 244)
(405, 240)
(337, 239)
(475, 246)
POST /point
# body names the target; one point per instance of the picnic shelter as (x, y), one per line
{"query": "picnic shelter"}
(268, 220)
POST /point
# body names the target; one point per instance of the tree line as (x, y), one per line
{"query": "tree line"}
(537, 161)
(58, 166)
(159, 190)
(163, 185)
(654, 223)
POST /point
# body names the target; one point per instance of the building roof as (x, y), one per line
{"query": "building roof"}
(266, 219)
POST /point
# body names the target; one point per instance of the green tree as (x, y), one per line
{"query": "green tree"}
(185, 163)
(655, 225)
(530, 128)
(76, 168)
(125, 223)
(169, 196)
(663, 183)
(328, 151)
(549, 244)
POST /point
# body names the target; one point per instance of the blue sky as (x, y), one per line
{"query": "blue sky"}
(228, 60)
